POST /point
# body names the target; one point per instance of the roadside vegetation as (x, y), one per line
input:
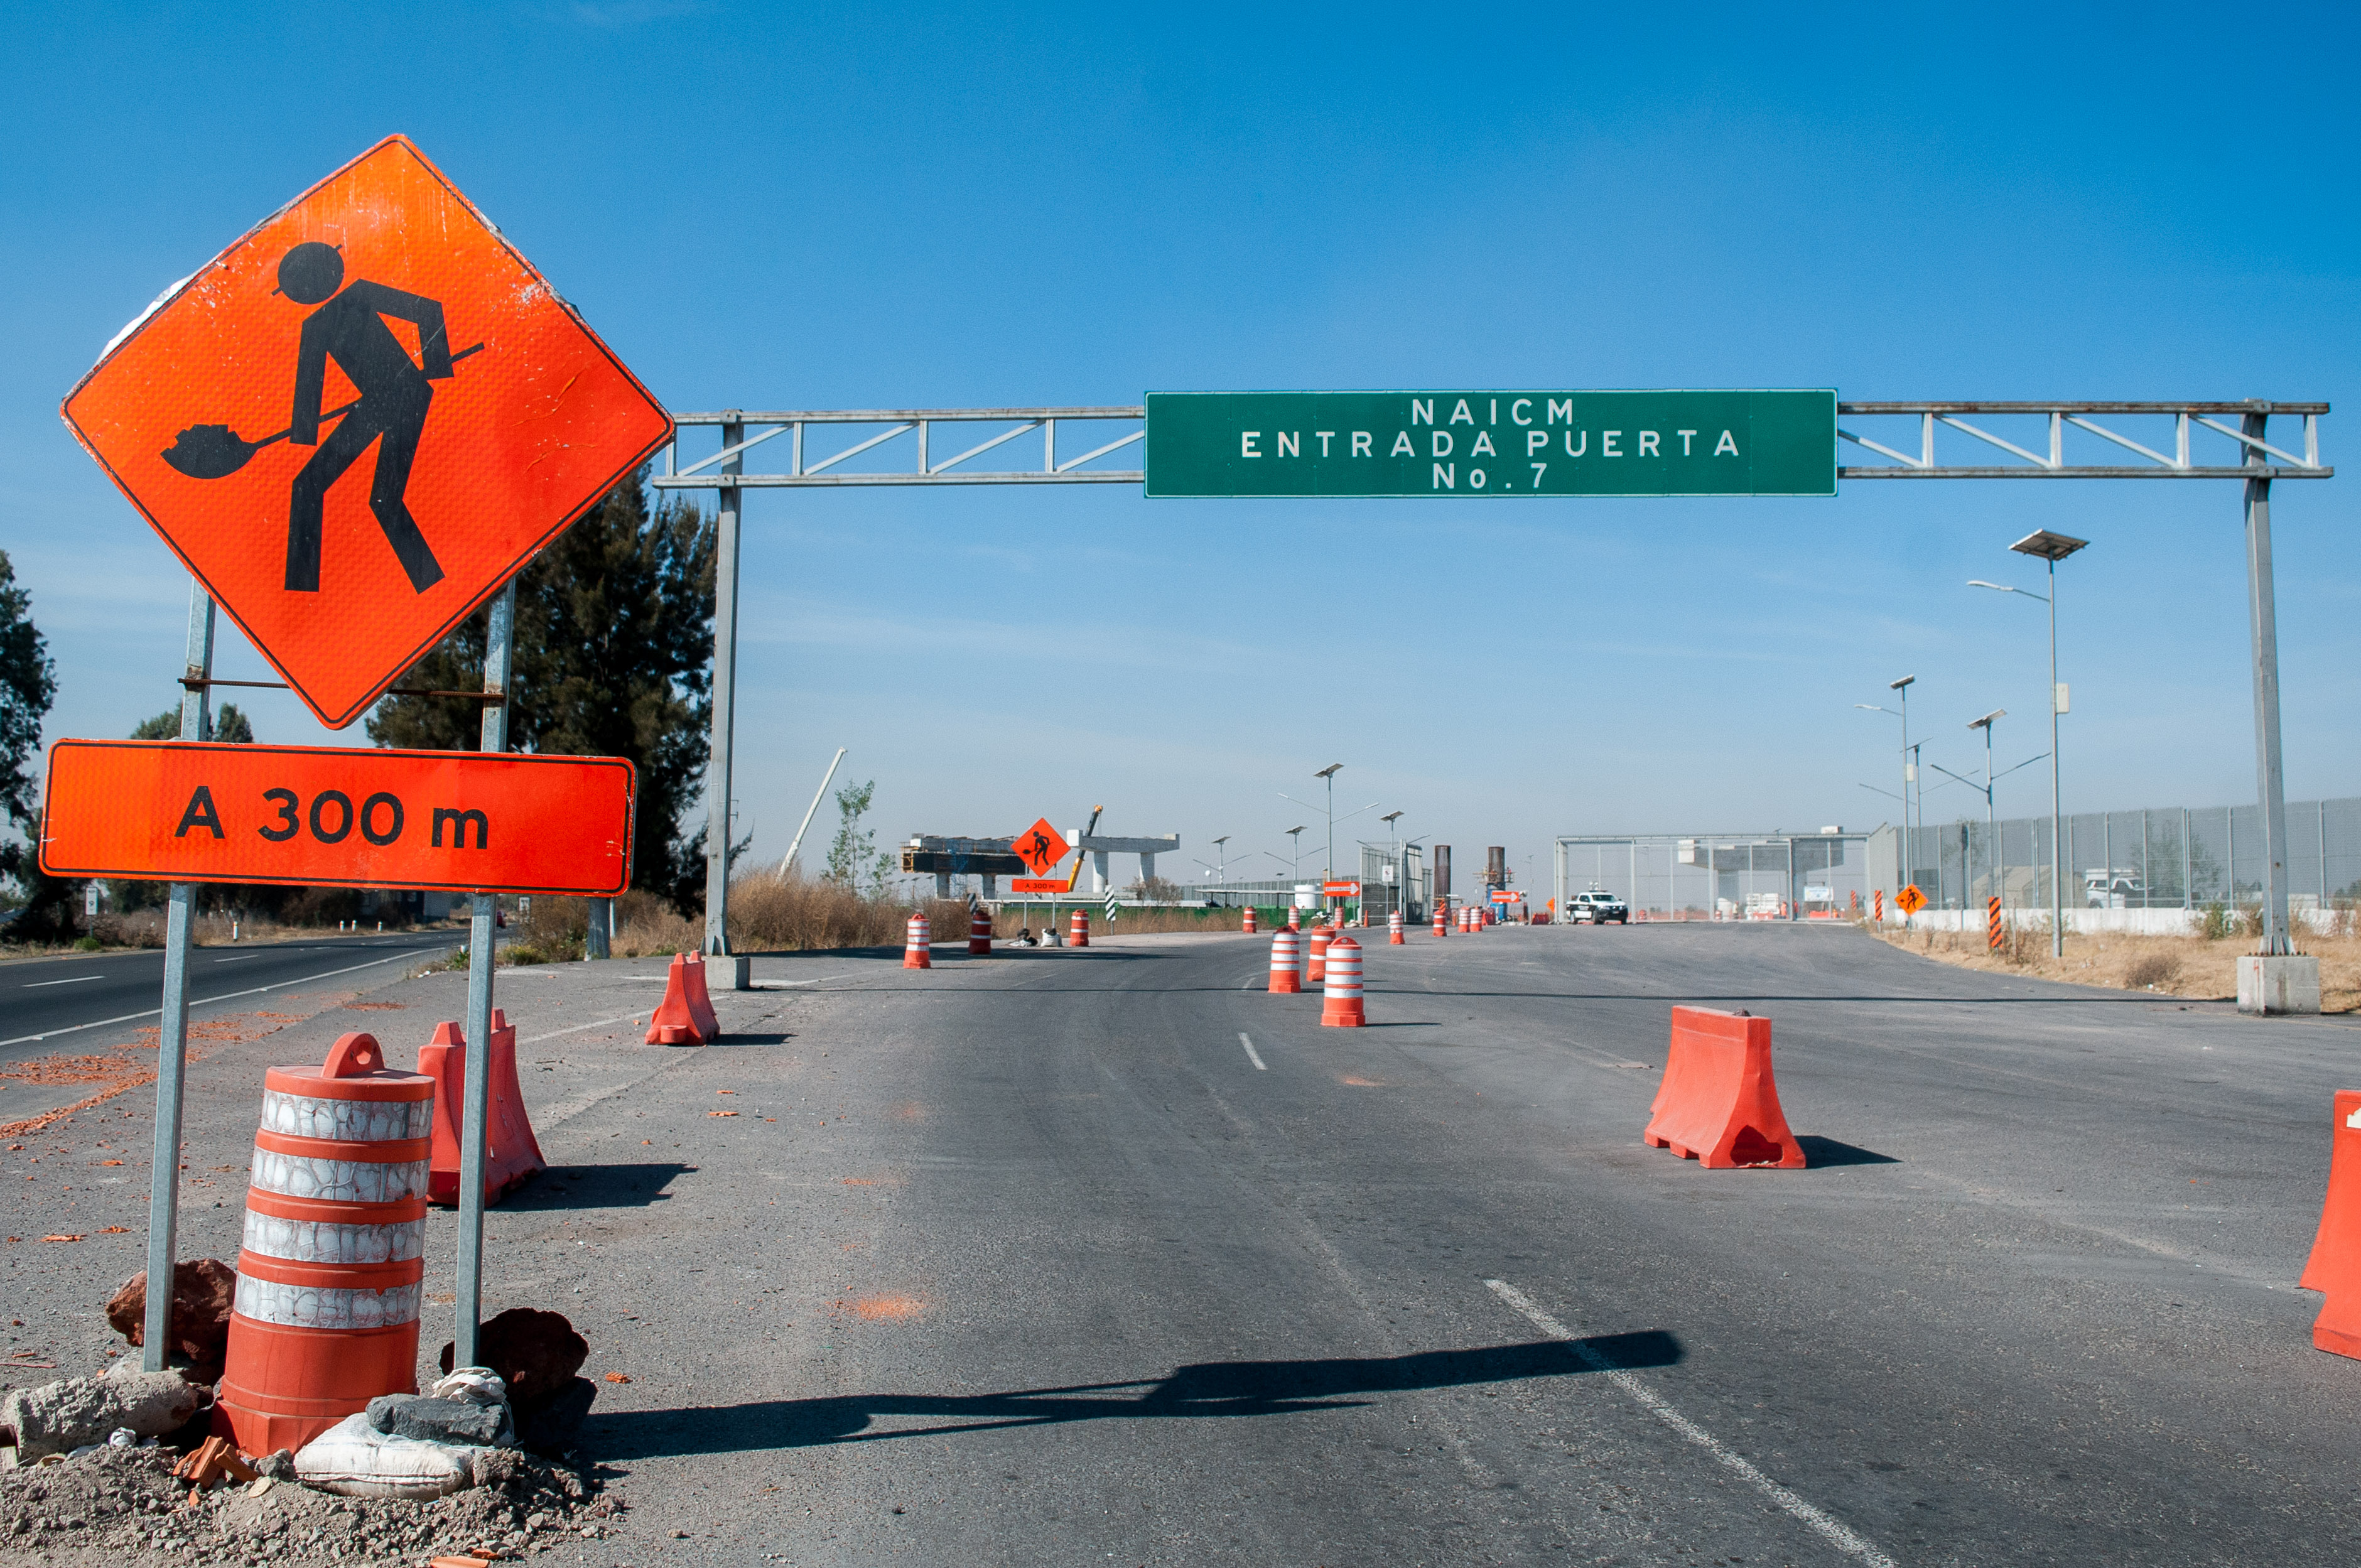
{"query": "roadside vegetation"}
(2197, 968)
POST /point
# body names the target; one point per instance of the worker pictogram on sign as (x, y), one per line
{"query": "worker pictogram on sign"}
(1039, 847)
(435, 414)
(1911, 900)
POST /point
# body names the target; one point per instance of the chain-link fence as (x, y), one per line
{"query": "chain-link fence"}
(2167, 857)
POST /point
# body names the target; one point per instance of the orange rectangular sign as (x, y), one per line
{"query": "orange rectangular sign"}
(460, 821)
(1038, 884)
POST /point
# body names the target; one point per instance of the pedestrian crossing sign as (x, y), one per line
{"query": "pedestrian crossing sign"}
(359, 420)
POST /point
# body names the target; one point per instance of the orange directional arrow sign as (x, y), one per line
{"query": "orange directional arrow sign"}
(1039, 847)
(360, 420)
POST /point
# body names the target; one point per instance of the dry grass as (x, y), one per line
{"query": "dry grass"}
(2192, 967)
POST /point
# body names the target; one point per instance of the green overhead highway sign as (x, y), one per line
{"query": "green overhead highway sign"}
(1492, 443)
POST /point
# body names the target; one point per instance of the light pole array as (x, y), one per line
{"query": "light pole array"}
(2051, 548)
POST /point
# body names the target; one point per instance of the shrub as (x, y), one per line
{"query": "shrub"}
(2152, 969)
(2217, 923)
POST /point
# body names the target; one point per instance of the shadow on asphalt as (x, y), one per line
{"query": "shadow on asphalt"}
(1207, 1388)
(596, 1187)
(1820, 1153)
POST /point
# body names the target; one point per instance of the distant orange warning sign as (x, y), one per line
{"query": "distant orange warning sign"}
(360, 420)
(342, 817)
(1911, 899)
(1039, 847)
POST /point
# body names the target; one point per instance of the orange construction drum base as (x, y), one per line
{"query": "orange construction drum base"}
(341, 1371)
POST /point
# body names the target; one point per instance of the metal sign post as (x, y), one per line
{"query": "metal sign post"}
(173, 1024)
(498, 645)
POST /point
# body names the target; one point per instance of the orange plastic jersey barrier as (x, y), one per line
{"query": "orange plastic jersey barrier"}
(1719, 1104)
(339, 816)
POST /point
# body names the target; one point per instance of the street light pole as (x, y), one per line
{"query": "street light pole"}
(1991, 820)
(1901, 689)
(1329, 772)
(1400, 866)
(2051, 548)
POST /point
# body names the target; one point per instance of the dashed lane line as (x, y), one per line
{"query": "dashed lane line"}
(1251, 1054)
(1828, 1528)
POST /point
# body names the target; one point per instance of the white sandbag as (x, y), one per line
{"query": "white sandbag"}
(356, 1459)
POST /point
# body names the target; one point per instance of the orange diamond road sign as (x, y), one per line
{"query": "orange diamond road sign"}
(359, 420)
(1911, 899)
(1039, 847)
(339, 815)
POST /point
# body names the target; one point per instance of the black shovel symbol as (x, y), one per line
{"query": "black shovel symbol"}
(215, 451)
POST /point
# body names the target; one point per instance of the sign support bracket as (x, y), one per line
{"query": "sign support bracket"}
(499, 642)
(172, 1031)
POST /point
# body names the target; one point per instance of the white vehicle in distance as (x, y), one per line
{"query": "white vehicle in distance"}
(1598, 908)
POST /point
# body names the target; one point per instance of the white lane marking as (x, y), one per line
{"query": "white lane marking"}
(1250, 1054)
(577, 1028)
(226, 996)
(77, 979)
(1834, 1531)
(239, 959)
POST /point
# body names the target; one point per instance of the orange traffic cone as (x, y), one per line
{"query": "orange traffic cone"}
(675, 1020)
(700, 1001)
(1078, 933)
(1284, 973)
(510, 1151)
(1341, 1006)
(918, 944)
(2335, 1266)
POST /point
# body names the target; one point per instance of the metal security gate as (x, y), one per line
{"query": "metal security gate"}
(1717, 876)
(2067, 441)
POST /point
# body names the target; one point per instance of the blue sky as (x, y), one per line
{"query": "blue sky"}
(849, 206)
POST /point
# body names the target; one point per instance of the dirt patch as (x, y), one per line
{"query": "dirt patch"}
(886, 1309)
(2189, 967)
(122, 1505)
(110, 1072)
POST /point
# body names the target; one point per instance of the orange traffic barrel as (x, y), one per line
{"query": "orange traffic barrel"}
(979, 933)
(1341, 1004)
(1248, 927)
(326, 1316)
(918, 944)
(1393, 928)
(1285, 972)
(1319, 950)
(1078, 934)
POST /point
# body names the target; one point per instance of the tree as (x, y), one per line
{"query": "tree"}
(854, 859)
(614, 658)
(29, 683)
(229, 726)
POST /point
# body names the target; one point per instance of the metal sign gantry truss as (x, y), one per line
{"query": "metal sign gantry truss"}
(2250, 456)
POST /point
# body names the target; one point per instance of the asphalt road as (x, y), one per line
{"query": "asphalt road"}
(44, 1003)
(1035, 1260)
